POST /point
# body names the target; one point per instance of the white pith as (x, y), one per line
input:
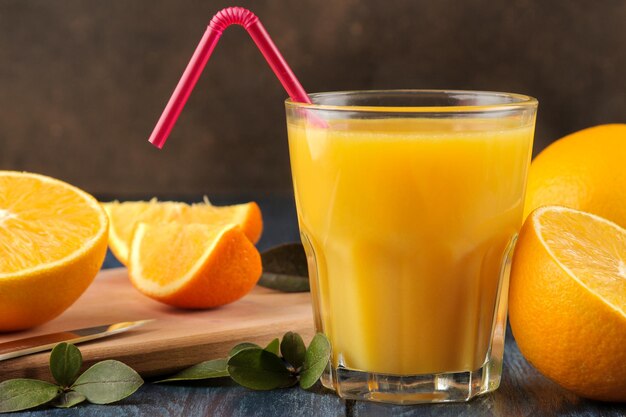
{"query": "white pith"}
(5, 215)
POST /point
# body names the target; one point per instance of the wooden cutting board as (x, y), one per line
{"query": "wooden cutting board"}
(176, 339)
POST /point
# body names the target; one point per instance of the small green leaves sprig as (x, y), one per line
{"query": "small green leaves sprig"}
(281, 364)
(103, 383)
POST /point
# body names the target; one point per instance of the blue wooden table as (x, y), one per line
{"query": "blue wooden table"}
(523, 392)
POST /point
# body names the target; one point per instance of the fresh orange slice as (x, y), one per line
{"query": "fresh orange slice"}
(193, 265)
(125, 216)
(567, 300)
(53, 239)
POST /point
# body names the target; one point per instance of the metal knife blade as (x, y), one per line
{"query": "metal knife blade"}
(26, 346)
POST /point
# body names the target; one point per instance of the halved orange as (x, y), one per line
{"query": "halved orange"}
(125, 217)
(193, 265)
(53, 239)
(567, 300)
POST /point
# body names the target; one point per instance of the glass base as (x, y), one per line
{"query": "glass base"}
(413, 389)
(430, 388)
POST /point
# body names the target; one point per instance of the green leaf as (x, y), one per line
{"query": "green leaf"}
(284, 283)
(22, 394)
(285, 268)
(65, 362)
(216, 368)
(68, 399)
(258, 369)
(273, 347)
(293, 349)
(315, 360)
(288, 259)
(107, 381)
(241, 346)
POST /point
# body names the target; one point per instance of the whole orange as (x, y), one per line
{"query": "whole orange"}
(585, 171)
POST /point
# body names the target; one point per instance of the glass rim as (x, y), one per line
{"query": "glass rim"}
(517, 102)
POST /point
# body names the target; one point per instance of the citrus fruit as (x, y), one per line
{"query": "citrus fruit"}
(584, 171)
(193, 265)
(125, 216)
(567, 300)
(53, 239)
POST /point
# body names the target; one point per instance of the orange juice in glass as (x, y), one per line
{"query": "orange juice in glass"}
(409, 203)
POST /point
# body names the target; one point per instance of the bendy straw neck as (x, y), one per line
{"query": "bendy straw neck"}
(223, 19)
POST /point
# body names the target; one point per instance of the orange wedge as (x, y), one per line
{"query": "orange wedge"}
(567, 300)
(53, 239)
(125, 217)
(193, 265)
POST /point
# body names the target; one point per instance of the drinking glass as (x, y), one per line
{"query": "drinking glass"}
(409, 203)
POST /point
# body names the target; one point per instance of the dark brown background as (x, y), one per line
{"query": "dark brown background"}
(82, 82)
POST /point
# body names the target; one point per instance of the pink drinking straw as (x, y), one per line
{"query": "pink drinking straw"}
(223, 19)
